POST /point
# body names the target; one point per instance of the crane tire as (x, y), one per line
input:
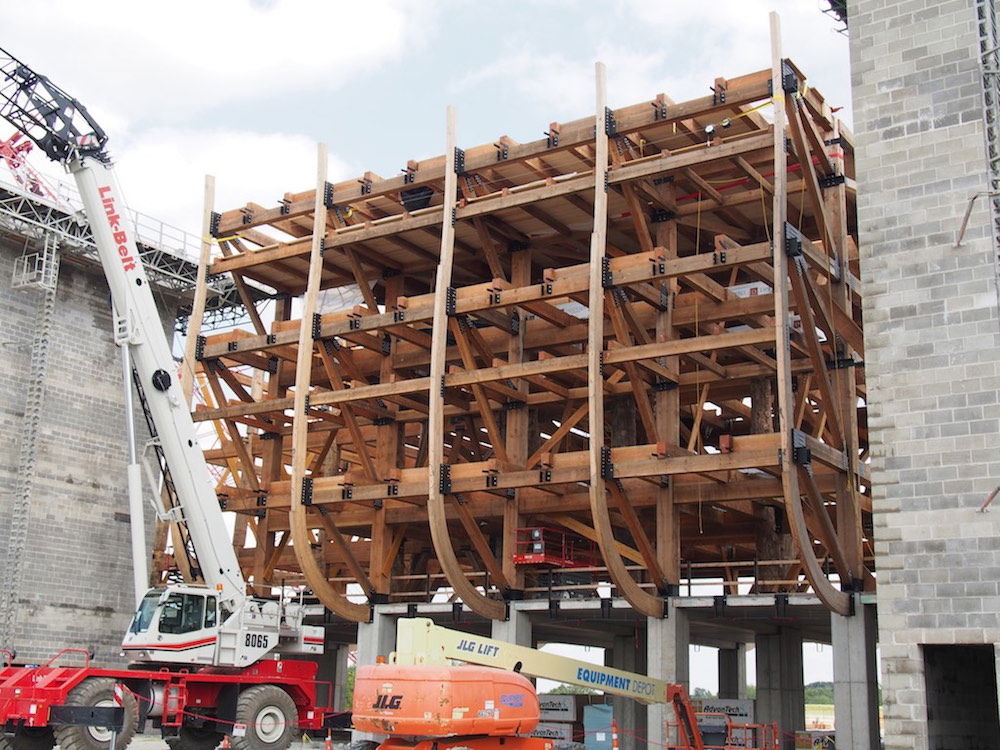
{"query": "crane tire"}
(31, 738)
(195, 738)
(363, 745)
(97, 691)
(270, 716)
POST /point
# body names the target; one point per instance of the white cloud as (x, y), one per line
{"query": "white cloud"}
(167, 62)
(691, 47)
(162, 171)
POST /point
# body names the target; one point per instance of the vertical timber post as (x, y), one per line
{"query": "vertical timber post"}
(836, 600)
(302, 537)
(437, 517)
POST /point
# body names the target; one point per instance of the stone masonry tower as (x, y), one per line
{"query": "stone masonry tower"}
(925, 111)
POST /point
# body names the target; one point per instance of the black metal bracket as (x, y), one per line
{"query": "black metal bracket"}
(411, 610)
(383, 421)
(502, 151)
(232, 346)
(378, 598)
(515, 323)
(512, 595)
(801, 455)
(606, 607)
(843, 363)
(459, 160)
(831, 180)
(660, 215)
(328, 194)
(317, 326)
(307, 491)
(607, 466)
(272, 338)
(366, 186)
(781, 605)
(607, 278)
(285, 206)
(610, 124)
(456, 611)
(719, 605)
(199, 348)
(246, 216)
(792, 241)
(553, 607)
(718, 256)
(450, 301)
(789, 80)
(444, 479)
(661, 385)
(213, 223)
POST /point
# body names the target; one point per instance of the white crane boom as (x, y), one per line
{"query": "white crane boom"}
(218, 623)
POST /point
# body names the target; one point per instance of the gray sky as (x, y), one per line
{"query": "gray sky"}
(243, 89)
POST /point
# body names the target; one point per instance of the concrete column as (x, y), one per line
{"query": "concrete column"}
(331, 667)
(516, 629)
(340, 679)
(631, 718)
(855, 686)
(668, 643)
(376, 638)
(780, 689)
(733, 671)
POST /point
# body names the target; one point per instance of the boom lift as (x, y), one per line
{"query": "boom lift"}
(202, 643)
(419, 694)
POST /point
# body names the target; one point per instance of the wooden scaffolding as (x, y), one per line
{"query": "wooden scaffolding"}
(642, 331)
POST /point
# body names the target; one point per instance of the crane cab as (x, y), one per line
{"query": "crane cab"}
(188, 624)
(176, 624)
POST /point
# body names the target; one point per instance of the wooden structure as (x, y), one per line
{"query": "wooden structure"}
(644, 328)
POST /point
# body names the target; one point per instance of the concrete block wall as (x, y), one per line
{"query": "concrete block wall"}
(75, 587)
(932, 334)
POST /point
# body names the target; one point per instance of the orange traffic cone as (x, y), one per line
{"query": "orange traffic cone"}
(614, 734)
(225, 742)
(329, 741)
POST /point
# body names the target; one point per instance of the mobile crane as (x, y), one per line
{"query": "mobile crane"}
(423, 702)
(212, 654)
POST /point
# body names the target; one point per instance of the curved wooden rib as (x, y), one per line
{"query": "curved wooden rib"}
(436, 516)
(641, 600)
(836, 600)
(302, 538)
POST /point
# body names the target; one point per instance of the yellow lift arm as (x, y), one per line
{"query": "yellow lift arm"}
(420, 641)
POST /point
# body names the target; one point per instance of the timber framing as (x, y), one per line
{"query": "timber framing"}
(643, 331)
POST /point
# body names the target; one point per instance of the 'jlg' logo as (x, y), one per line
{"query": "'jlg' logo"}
(115, 222)
(388, 701)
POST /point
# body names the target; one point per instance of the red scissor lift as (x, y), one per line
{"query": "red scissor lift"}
(541, 545)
